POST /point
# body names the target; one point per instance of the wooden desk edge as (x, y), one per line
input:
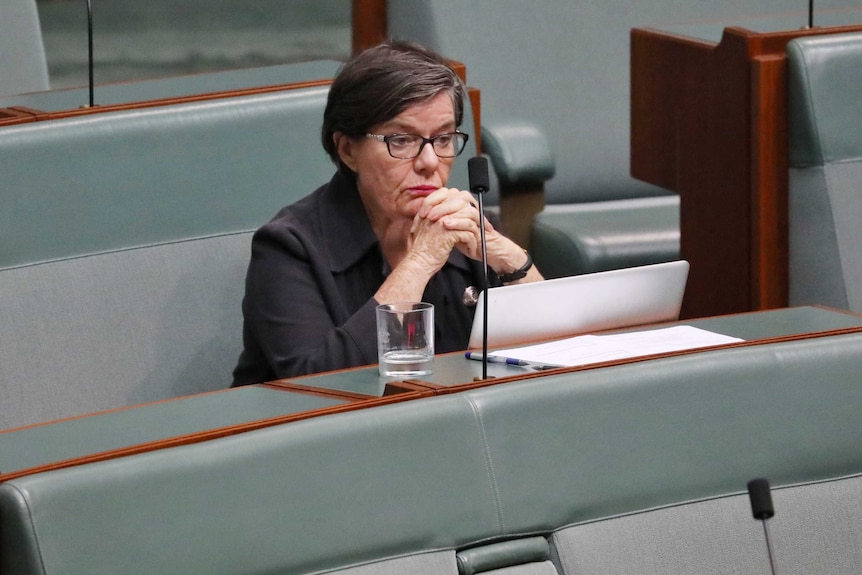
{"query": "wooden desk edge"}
(206, 435)
(41, 115)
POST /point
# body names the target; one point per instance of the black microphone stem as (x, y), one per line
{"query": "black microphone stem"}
(768, 547)
(90, 47)
(811, 13)
(477, 169)
(485, 299)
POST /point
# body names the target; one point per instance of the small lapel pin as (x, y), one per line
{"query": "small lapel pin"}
(471, 296)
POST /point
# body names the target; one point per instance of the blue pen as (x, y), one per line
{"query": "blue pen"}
(496, 359)
(509, 361)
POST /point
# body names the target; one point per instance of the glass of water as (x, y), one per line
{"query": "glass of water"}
(405, 339)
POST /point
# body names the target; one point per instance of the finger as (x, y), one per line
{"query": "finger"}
(461, 222)
(470, 247)
(445, 201)
(414, 227)
(457, 207)
(433, 199)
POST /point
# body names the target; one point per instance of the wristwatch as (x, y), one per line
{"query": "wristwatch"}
(518, 273)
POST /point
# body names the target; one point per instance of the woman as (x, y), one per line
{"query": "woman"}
(385, 229)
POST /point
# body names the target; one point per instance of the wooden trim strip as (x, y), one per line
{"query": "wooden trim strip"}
(84, 111)
(286, 385)
(104, 411)
(18, 115)
(424, 388)
(769, 183)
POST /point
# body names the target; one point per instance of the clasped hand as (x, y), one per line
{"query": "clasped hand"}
(449, 219)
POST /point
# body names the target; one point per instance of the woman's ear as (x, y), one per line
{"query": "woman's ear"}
(344, 147)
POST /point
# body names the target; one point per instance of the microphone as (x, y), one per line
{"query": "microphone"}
(90, 47)
(811, 13)
(477, 173)
(761, 508)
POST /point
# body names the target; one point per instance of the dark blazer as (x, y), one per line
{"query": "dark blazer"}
(309, 304)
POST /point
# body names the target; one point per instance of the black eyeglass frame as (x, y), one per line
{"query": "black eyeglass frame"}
(456, 137)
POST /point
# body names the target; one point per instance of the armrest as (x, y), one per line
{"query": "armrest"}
(519, 150)
(522, 160)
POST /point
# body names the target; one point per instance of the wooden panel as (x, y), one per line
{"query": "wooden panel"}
(709, 121)
(656, 91)
(769, 182)
(369, 23)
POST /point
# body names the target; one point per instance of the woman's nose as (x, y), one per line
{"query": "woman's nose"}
(427, 158)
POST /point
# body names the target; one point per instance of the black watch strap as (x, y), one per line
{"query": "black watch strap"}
(518, 273)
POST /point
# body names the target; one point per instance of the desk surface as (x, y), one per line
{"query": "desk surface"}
(174, 87)
(79, 437)
(452, 370)
(211, 415)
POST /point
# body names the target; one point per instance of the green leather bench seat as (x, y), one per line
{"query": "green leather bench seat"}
(592, 237)
(601, 463)
(124, 241)
(129, 326)
(825, 150)
(105, 181)
(23, 67)
(718, 536)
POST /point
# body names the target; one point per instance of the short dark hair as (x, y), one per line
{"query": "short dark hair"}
(381, 82)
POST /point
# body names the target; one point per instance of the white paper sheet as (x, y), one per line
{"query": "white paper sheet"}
(586, 349)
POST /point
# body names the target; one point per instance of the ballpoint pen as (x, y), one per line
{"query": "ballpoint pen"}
(496, 359)
(477, 356)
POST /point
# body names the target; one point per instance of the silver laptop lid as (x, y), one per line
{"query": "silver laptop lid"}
(572, 305)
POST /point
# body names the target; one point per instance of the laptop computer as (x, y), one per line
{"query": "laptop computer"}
(573, 305)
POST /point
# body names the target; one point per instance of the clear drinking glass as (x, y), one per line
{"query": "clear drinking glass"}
(405, 339)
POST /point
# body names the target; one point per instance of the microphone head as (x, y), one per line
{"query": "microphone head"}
(761, 499)
(477, 172)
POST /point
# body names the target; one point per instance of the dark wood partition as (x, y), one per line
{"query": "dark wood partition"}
(369, 23)
(709, 121)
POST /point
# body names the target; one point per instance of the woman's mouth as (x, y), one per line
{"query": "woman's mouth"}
(423, 190)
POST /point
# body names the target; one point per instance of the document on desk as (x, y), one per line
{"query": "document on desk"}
(586, 349)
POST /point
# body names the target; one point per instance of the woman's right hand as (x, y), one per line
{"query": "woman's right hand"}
(446, 220)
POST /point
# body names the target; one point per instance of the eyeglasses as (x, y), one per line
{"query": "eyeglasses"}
(409, 146)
